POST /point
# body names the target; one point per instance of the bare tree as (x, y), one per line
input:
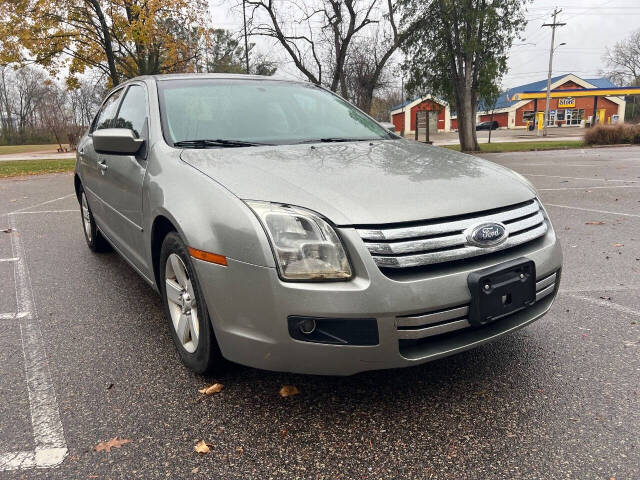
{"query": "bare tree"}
(623, 62)
(315, 35)
(36, 108)
(343, 44)
(55, 113)
(22, 92)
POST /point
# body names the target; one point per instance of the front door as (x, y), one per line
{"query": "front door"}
(91, 169)
(124, 177)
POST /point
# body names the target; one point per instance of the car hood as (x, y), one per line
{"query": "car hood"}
(359, 183)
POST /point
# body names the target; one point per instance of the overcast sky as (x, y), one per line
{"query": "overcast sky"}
(591, 27)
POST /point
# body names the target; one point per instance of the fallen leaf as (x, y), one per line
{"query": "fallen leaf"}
(618, 244)
(594, 223)
(211, 389)
(113, 443)
(239, 450)
(289, 390)
(283, 433)
(202, 447)
(195, 470)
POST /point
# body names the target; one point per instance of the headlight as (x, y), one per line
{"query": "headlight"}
(305, 246)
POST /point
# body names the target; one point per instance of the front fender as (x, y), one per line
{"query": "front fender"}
(207, 215)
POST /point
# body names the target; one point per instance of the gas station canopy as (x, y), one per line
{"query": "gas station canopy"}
(585, 92)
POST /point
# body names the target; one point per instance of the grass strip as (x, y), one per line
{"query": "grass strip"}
(13, 149)
(524, 146)
(17, 168)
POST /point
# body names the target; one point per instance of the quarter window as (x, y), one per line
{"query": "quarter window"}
(108, 111)
(133, 111)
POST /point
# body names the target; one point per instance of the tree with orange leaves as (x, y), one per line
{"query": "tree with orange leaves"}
(121, 38)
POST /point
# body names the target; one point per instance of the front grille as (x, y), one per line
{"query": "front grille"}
(429, 243)
(431, 324)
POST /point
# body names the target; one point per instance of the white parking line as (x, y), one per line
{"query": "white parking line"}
(580, 178)
(579, 188)
(607, 303)
(50, 446)
(606, 212)
(14, 316)
(42, 203)
(44, 211)
(614, 288)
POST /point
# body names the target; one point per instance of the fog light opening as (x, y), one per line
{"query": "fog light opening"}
(307, 326)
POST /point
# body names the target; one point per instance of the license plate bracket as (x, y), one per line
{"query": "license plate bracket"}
(501, 290)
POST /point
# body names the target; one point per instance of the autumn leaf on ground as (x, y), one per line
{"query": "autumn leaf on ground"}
(113, 443)
(594, 223)
(211, 389)
(618, 244)
(289, 390)
(202, 447)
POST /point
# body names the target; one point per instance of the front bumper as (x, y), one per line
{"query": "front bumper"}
(249, 306)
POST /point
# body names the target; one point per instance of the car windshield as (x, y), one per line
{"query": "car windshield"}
(258, 112)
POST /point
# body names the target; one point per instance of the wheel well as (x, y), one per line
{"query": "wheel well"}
(161, 227)
(78, 186)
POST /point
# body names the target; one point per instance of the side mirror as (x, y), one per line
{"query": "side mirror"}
(116, 140)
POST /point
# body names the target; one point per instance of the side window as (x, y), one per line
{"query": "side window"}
(107, 112)
(133, 111)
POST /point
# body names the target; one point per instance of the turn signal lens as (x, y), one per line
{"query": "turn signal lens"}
(208, 256)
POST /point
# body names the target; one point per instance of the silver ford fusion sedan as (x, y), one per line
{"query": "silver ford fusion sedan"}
(287, 230)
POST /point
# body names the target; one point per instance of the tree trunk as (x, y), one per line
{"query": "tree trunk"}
(490, 127)
(108, 47)
(467, 120)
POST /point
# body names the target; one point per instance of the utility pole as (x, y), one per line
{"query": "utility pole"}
(553, 37)
(246, 42)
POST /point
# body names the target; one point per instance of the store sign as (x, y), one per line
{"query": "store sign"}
(567, 102)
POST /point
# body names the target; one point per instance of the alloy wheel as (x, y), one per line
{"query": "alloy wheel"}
(182, 303)
(86, 217)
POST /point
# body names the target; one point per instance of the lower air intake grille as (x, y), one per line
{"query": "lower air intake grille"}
(420, 326)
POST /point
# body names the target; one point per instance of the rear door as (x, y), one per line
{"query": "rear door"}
(91, 166)
(124, 177)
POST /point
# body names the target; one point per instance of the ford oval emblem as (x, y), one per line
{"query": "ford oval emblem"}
(487, 234)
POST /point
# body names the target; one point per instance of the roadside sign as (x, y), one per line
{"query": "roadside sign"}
(566, 102)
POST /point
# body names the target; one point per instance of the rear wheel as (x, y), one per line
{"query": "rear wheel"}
(95, 241)
(185, 309)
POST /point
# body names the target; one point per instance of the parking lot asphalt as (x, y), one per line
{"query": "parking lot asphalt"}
(92, 359)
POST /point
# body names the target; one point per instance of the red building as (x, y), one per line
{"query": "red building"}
(566, 111)
(403, 116)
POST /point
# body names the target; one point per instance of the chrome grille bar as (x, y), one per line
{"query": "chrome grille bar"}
(446, 227)
(431, 243)
(458, 253)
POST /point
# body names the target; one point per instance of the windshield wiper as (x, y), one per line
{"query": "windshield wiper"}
(337, 139)
(218, 142)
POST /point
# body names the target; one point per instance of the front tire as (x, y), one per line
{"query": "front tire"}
(185, 309)
(95, 241)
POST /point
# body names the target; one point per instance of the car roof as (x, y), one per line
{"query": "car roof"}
(229, 76)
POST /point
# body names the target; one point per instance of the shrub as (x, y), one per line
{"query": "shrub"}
(613, 134)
